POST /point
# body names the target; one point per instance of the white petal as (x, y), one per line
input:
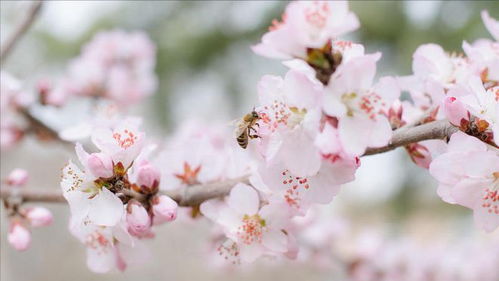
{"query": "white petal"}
(243, 199)
(106, 208)
(275, 240)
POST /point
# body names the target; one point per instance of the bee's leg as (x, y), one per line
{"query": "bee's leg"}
(251, 128)
(254, 136)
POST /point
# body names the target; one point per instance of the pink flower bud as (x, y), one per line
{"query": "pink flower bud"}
(19, 237)
(17, 177)
(39, 216)
(164, 209)
(139, 221)
(100, 165)
(454, 111)
(419, 154)
(147, 175)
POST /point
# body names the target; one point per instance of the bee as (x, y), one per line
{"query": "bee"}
(244, 128)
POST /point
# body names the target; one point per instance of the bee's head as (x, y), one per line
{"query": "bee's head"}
(254, 114)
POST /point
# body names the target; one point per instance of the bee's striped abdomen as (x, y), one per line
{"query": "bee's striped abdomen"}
(242, 140)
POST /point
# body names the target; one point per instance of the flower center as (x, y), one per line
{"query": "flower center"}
(125, 139)
(369, 104)
(293, 186)
(275, 115)
(97, 241)
(252, 229)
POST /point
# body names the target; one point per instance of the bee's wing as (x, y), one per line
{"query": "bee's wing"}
(241, 126)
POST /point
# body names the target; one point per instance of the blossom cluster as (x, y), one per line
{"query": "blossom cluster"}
(115, 65)
(22, 218)
(301, 142)
(114, 199)
(313, 125)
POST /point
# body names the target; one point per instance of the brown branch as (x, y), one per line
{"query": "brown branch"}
(42, 130)
(196, 194)
(434, 130)
(20, 30)
(191, 196)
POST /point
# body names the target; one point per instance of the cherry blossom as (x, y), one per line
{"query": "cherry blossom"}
(483, 104)
(304, 25)
(290, 119)
(38, 216)
(17, 177)
(359, 106)
(19, 236)
(468, 175)
(164, 209)
(298, 193)
(255, 231)
(117, 65)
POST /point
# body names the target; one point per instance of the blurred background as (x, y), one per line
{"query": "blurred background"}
(207, 71)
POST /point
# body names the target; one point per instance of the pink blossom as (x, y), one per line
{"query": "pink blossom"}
(199, 153)
(89, 202)
(359, 106)
(298, 193)
(39, 216)
(138, 219)
(17, 177)
(109, 247)
(468, 174)
(430, 61)
(123, 143)
(455, 111)
(19, 236)
(483, 104)
(254, 231)
(290, 115)
(164, 209)
(306, 24)
(116, 65)
(147, 175)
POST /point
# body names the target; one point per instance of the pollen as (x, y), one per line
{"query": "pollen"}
(97, 241)
(125, 140)
(251, 230)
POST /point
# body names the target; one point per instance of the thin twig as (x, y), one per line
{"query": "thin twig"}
(196, 194)
(20, 30)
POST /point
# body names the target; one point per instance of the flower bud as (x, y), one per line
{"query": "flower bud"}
(19, 237)
(164, 209)
(17, 177)
(147, 175)
(419, 154)
(137, 218)
(100, 165)
(455, 111)
(39, 216)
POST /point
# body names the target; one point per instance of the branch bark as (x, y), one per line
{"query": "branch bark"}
(196, 194)
(20, 30)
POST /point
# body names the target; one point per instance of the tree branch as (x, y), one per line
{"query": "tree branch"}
(196, 194)
(21, 29)
(434, 130)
